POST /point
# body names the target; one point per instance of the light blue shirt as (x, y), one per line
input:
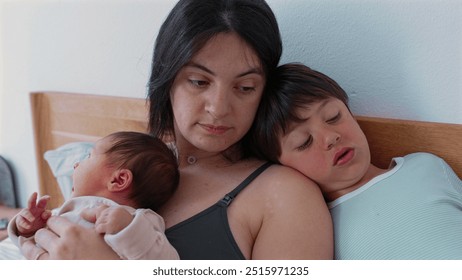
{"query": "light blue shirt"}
(413, 211)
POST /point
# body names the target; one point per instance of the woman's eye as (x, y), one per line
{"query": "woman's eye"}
(306, 144)
(246, 89)
(335, 118)
(198, 83)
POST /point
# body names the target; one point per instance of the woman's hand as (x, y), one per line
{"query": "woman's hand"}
(66, 240)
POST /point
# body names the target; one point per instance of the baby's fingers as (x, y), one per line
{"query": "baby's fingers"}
(32, 200)
(43, 201)
(22, 223)
(93, 214)
(26, 215)
(45, 215)
(25, 220)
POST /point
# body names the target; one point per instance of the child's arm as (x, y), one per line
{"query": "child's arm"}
(34, 217)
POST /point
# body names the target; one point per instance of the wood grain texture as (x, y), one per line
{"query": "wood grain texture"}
(390, 138)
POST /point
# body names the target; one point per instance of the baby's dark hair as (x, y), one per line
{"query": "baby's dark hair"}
(293, 86)
(153, 165)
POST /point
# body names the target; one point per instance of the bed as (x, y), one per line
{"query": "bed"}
(60, 118)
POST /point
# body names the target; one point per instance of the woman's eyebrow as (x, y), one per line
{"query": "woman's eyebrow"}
(251, 71)
(255, 70)
(201, 67)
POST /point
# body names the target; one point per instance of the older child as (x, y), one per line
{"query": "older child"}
(412, 210)
(124, 168)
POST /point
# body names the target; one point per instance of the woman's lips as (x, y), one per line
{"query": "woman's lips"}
(343, 156)
(217, 130)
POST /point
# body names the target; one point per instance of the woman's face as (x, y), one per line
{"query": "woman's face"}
(216, 94)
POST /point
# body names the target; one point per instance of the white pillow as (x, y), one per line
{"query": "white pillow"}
(62, 160)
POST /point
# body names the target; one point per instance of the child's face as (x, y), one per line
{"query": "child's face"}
(92, 174)
(329, 147)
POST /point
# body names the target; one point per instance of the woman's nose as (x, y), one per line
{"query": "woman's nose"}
(218, 103)
(76, 164)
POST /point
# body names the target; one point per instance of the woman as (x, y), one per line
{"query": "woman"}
(210, 66)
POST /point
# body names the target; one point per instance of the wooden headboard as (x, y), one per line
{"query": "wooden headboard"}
(60, 118)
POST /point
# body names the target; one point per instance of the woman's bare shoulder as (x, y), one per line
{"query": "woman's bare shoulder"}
(291, 207)
(279, 176)
(281, 185)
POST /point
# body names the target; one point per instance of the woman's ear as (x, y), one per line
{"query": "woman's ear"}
(121, 180)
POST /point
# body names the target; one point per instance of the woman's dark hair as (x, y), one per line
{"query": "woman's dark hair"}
(153, 165)
(188, 27)
(293, 86)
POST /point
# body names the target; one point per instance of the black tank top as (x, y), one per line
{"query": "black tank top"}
(207, 235)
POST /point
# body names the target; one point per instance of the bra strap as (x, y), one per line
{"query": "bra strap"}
(228, 198)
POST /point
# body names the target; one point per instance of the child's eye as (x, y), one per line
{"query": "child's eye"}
(335, 118)
(306, 144)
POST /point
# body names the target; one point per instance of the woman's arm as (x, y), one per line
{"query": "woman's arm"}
(66, 240)
(296, 221)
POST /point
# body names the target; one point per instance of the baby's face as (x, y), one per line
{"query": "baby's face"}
(329, 146)
(91, 174)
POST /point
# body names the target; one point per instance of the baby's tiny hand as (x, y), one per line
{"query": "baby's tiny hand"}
(34, 217)
(113, 219)
(24, 221)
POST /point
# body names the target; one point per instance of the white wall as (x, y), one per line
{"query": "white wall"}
(400, 59)
(395, 58)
